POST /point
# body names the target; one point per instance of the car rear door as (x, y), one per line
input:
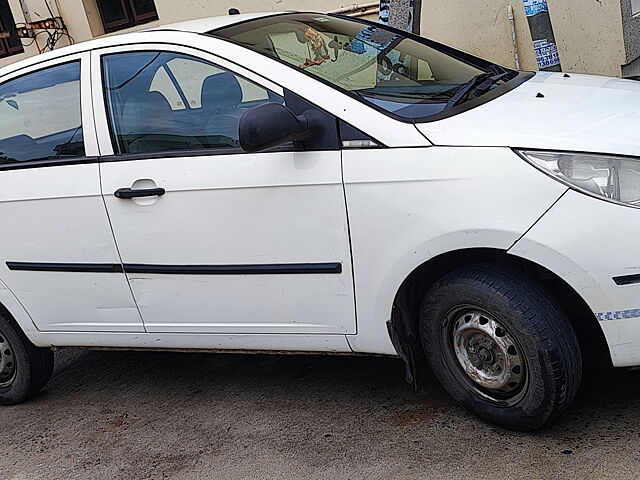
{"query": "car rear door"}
(221, 241)
(59, 257)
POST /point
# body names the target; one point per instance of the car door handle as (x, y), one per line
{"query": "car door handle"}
(127, 193)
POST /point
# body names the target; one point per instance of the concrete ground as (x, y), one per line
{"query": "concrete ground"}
(133, 415)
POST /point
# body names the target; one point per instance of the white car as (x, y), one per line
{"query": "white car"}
(310, 182)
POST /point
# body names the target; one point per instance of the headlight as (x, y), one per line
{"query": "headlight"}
(613, 178)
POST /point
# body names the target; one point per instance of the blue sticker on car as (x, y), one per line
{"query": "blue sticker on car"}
(618, 315)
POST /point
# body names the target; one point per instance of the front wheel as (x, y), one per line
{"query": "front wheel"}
(500, 346)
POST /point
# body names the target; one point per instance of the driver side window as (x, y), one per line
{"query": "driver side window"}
(161, 101)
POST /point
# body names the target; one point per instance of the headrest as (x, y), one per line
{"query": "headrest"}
(221, 92)
(148, 113)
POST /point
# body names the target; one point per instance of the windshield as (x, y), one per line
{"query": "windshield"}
(397, 73)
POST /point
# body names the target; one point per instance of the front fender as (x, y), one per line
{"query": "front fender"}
(590, 243)
(408, 206)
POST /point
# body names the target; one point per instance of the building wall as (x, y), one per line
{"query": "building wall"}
(588, 32)
(480, 27)
(589, 35)
(631, 29)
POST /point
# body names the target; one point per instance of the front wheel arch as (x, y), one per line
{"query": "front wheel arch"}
(403, 326)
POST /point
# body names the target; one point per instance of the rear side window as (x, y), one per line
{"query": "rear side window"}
(162, 101)
(40, 116)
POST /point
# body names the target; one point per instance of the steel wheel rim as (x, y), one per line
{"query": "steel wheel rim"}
(7, 362)
(484, 355)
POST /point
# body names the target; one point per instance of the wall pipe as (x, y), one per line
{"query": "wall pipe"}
(514, 38)
(358, 9)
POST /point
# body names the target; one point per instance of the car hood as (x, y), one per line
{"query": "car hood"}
(552, 111)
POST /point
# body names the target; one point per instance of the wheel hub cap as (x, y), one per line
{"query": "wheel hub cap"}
(7, 362)
(487, 352)
(486, 356)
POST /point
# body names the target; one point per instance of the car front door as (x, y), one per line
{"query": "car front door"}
(59, 257)
(213, 239)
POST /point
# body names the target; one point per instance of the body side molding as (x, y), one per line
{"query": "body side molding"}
(265, 269)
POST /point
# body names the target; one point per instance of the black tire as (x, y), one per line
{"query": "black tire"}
(520, 314)
(30, 367)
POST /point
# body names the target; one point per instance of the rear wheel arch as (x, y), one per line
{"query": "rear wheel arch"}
(403, 326)
(13, 309)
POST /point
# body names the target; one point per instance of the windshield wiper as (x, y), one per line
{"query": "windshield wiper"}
(411, 95)
(480, 84)
(498, 69)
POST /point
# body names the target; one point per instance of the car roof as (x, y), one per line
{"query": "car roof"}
(198, 26)
(203, 25)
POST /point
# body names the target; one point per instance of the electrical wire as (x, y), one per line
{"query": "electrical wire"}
(33, 39)
(53, 35)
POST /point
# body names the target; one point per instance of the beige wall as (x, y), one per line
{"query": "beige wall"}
(480, 27)
(588, 33)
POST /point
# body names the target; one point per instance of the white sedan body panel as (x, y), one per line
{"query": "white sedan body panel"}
(407, 206)
(202, 25)
(551, 111)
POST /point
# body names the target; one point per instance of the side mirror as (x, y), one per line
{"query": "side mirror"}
(269, 125)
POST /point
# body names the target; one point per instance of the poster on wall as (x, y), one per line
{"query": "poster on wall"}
(534, 7)
(546, 54)
(544, 42)
(401, 14)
